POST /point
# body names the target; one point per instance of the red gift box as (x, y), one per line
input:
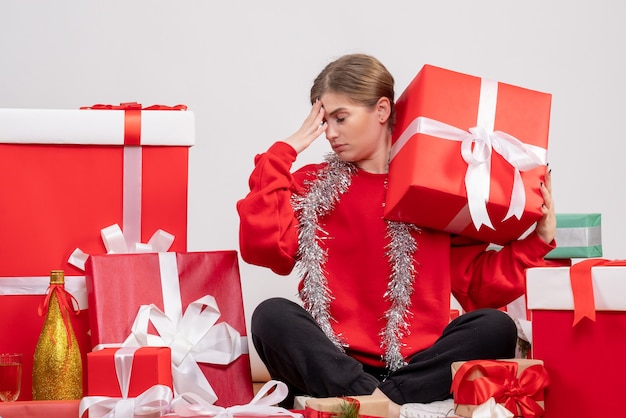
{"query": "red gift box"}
(584, 360)
(448, 171)
(67, 175)
(140, 368)
(174, 284)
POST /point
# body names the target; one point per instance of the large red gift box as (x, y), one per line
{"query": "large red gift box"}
(468, 156)
(67, 175)
(140, 368)
(583, 357)
(175, 284)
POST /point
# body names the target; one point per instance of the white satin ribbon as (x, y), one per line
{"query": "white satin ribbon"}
(194, 337)
(38, 285)
(116, 242)
(476, 149)
(491, 409)
(263, 404)
(156, 399)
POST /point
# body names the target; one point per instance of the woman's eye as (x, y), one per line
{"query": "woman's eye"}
(340, 119)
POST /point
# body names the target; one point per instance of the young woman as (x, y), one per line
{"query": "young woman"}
(376, 294)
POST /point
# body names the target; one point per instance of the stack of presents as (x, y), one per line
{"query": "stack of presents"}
(101, 193)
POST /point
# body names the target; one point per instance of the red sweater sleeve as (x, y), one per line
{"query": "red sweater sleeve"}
(267, 227)
(492, 279)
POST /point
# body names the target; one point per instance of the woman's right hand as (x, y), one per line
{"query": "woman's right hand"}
(313, 126)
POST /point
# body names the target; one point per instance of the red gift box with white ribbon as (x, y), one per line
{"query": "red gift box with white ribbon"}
(190, 302)
(468, 155)
(68, 173)
(578, 317)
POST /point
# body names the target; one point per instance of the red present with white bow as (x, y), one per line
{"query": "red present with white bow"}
(468, 156)
(128, 381)
(190, 302)
(68, 173)
(579, 331)
(128, 371)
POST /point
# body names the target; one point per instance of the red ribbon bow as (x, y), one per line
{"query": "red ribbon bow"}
(67, 303)
(582, 286)
(498, 379)
(132, 117)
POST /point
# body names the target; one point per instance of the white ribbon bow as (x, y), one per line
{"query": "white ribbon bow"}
(476, 150)
(491, 409)
(155, 399)
(194, 338)
(116, 243)
(189, 404)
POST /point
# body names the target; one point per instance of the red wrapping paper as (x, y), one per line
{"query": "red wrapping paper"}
(118, 285)
(150, 366)
(427, 174)
(584, 360)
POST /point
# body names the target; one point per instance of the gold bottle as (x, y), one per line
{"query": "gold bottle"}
(57, 364)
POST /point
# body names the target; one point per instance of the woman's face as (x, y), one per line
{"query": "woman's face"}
(355, 132)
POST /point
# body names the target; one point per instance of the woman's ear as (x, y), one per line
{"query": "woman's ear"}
(383, 108)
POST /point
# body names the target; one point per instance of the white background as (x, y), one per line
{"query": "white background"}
(245, 68)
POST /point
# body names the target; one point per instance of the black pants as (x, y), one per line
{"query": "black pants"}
(296, 351)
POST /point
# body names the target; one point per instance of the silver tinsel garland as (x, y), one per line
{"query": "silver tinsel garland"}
(323, 193)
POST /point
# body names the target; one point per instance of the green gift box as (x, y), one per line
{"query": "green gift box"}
(578, 235)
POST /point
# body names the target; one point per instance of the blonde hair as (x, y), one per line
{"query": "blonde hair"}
(360, 77)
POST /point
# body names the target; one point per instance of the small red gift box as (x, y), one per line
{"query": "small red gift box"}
(191, 297)
(137, 368)
(67, 175)
(517, 384)
(583, 360)
(468, 156)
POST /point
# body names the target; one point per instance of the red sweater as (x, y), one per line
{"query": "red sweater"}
(357, 267)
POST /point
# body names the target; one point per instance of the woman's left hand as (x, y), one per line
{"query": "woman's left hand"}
(546, 226)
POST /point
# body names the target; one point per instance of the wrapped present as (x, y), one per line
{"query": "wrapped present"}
(190, 302)
(578, 235)
(128, 371)
(38, 409)
(67, 175)
(578, 325)
(366, 406)
(468, 156)
(516, 384)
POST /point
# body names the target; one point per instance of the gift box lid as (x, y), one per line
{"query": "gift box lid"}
(550, 288)
(94, 127)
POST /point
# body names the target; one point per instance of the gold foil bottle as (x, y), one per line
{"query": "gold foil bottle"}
(57, 365)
